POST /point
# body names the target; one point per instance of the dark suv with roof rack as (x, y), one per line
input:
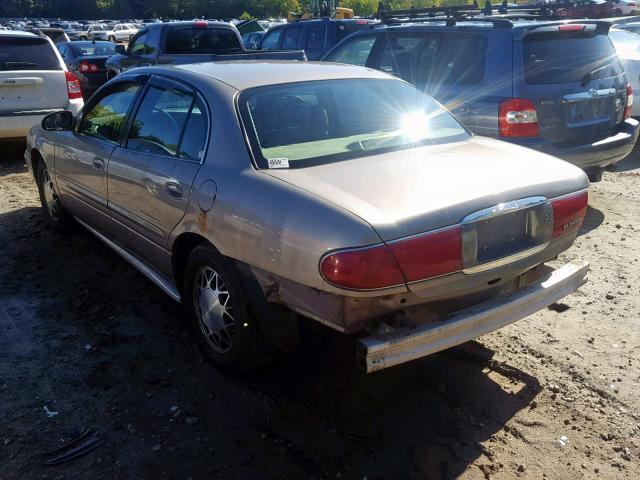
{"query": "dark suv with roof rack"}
(553, 86)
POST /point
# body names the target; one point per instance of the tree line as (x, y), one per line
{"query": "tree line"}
(184, 9)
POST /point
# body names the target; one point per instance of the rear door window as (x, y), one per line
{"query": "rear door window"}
(428, 59)
(355, 51)
(292, 38)
(272, 40)
(568, 57)
(27, 53)
(199, 40)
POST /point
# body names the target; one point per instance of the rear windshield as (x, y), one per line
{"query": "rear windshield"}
(198, 40)
(29, 53)
(310, 123)
(569, 57)
(89, 48)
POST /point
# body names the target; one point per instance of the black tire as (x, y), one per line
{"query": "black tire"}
(84, 37)
(112, 39)
(594, 174)
(247, 348)
(618, 12)
(52, 208)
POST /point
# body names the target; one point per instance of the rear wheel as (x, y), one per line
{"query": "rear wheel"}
(594, 174)
(217, 305)
(53, 209)
(112, 39)
(84, 37)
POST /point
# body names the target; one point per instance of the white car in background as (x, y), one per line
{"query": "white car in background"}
(628, 48)
(121, 32)
(624, 7)
(34, 81)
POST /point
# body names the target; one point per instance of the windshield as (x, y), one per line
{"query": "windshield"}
(310, 123)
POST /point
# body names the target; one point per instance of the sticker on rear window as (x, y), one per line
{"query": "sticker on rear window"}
(278, 162)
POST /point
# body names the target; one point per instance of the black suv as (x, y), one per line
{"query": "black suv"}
(550, 85)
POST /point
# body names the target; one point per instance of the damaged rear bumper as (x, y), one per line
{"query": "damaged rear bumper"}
(406, 344)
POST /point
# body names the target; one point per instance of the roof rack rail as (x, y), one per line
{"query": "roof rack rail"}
(448, 14)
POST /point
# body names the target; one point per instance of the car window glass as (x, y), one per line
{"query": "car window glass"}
(355, 51)
(430, 59)
(138, 46)
(291, 37)
(568, 57)
(271, 40)
(63, 50)
(158, 123)
(199, 40)
(27, 53)
(195, 133)
(316, 37)
(105, 120)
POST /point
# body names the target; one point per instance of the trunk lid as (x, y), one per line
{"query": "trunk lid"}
(31, 77)
(575, 81)
(413, 191)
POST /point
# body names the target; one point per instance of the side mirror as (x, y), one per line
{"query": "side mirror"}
(58, 121)
(121, 50)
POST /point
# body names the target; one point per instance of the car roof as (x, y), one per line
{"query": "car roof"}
(16, 33)
(189, 24)
(251, 73)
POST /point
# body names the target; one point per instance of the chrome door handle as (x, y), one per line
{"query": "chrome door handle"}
(174, 190)
(98, 163)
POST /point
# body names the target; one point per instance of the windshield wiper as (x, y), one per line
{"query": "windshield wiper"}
(589, 76)
(9, 65)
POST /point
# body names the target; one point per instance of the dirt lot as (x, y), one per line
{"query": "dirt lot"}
(84, 335)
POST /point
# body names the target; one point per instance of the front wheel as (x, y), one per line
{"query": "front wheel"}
(217, 305)
(112, 39)
(618, 12)
(84, 37)
(55, 213)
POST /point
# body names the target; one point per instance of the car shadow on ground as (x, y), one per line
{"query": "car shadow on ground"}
(592, 220)
(106, 340)
(631, 162)
(11, 154)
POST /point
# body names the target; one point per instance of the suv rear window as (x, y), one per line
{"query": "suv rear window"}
(28, 53)
(568, 57)
(198, 40)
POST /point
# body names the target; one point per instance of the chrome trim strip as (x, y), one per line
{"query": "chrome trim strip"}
(503, 208)
(138, 264)
(406, 344)
(588, 95)
(500, 262)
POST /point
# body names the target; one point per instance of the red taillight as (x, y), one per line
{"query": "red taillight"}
(201, 23)
(85, 66)
(363, 269)
(571, 27)
(517, 117)
(429, 255)
(568, 213)
(73, 86)
(627, 109)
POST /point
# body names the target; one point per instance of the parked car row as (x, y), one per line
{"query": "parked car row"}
(408, 188)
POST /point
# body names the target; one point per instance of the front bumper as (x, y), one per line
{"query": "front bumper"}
(403, 345)
(601, 153)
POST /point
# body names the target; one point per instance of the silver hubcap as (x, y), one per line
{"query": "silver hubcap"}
(50, 197)
(214, 309)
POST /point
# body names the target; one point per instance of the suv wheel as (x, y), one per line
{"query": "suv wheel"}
(53, 209)
(217, 305)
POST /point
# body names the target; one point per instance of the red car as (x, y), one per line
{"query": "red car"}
(587, 9)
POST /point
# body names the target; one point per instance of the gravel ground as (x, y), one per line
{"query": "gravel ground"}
(88, 343)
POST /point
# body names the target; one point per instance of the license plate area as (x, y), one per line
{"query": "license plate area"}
(505, 233)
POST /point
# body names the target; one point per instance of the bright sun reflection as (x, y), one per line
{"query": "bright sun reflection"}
(414, 125)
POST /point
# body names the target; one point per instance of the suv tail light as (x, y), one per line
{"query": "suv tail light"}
(517, 117)
(85, 66)
(568, 213)
(73, 86)
(627, 109)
